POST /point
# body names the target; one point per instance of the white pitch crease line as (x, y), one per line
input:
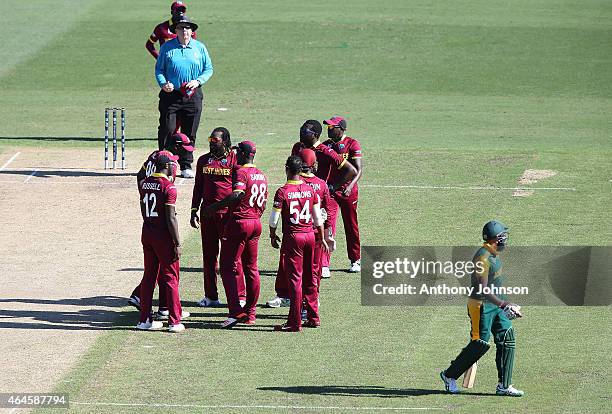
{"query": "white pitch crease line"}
(30, 176)
(451, 187)
(9, 161)
(253, 407)
(414, 187)
(47, 182)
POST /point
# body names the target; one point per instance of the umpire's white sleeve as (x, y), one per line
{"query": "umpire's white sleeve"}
(274, 216)
(318, 217)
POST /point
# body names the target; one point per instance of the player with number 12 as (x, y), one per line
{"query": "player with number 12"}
(161, 245)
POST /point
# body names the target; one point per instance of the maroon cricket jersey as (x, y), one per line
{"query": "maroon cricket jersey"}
(295, 201)
(161, 33)
(320, 188)
(213, 180)
(156, 192)
(250, 181)
(349, 149)
(327, 158)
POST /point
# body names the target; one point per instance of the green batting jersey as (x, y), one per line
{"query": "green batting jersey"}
(487, 265)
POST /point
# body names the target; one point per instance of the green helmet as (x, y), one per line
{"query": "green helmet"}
(495, 230)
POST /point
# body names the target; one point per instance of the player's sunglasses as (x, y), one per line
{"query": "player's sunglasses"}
(215, 140)
(183, 27)
(307, 131)
(332, 126)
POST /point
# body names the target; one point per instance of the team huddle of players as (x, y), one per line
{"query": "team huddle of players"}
(229, 198)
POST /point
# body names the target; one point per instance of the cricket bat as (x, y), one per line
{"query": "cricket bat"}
(470, 376)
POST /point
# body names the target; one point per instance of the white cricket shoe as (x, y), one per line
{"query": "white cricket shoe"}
(179, 327)
(187, 173)
(208, 303)
(510, 391)
(149, 325)
(277, 302)
(449, 383)
(325, 273)
(242, 303)
(355, 267)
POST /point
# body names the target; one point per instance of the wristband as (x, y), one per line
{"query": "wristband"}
(194, 209)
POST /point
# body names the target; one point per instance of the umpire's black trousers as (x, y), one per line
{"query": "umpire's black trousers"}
(174, 106)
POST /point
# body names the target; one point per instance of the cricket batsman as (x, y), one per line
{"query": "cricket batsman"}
(489, 314)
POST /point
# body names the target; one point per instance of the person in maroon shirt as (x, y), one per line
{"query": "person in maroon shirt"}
(241, 237)
(332, 168)
(281, 285)
(299, 207)
(161, 245)
(213, 182)
(346, 196)
(161, 32)
(180, 143)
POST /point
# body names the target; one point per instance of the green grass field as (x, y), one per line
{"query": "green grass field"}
(445, 93)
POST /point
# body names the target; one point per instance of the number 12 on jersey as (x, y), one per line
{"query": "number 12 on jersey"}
(150, 210)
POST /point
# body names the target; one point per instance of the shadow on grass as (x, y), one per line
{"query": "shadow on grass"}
(221, 312)
(217, 325)
(360, 391)
(67, 173)
(195, 270)
(82, 139)
(95, 315)
(81, 319)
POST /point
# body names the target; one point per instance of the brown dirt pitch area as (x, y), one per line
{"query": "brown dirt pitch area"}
(72, 255)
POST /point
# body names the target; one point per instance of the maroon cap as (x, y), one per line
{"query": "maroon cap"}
(308, 157)
(163, 158)
(247, 147)
(336, 121)
(167, 154)
(183, 140)
(178, 6)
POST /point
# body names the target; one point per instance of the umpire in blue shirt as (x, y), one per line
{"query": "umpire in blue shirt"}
(182, 68)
